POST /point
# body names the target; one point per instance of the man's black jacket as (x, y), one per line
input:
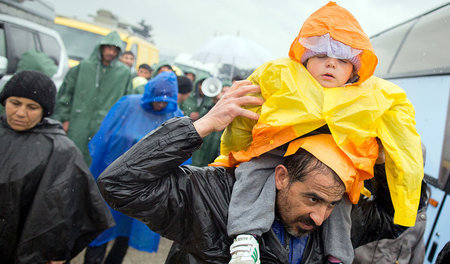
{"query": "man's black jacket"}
(189, 205)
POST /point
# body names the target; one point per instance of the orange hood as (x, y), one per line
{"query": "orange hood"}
(342, 26)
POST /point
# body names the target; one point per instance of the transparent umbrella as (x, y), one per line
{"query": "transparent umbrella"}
(233, 50)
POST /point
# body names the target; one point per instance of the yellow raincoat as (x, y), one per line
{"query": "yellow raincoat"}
(295, 104)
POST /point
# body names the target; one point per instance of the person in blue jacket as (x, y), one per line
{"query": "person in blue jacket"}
(130, 119)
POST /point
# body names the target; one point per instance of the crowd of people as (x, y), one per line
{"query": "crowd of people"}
(311, 159)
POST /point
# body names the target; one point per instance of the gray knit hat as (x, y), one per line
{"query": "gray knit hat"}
(32, 85)
(326, 45)
(356, 61)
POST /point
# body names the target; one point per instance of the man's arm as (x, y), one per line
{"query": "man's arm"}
(147, 183)
(373, 218)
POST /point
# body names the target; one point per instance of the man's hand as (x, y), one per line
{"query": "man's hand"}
(194, 116)
(229, 107)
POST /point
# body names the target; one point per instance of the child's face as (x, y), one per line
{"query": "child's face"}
(144, 73)
(127, 59)
(330, 72)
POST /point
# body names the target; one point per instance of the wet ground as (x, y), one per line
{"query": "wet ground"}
(138, 257)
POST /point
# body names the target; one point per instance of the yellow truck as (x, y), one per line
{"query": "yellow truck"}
(80, 38)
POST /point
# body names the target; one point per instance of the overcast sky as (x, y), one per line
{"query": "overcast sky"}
(182, 26)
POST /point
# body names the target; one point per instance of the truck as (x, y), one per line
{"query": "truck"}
(81, 36)
(415, 56)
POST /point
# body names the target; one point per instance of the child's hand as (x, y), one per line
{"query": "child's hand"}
(229, 107)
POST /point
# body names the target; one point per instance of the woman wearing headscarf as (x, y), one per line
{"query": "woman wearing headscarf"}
(50, 207)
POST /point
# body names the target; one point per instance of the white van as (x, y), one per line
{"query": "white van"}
(18, 36)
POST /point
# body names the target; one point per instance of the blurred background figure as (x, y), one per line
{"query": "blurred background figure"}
(210, 149)
(162, 66)
(33, 60)
(130, 119)
(197, 104)
(50, 205)
(159, 68)
(128, 59)
(90, 89)
(144, 74)
(184, 88)
(190, 75)
(145, 71)
(236, 78)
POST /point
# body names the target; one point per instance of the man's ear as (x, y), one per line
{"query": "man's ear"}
(281, 177)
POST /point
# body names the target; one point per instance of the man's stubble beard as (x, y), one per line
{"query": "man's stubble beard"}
(298, 231)
(294, 230)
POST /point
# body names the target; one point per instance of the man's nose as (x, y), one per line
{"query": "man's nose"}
(319, 215)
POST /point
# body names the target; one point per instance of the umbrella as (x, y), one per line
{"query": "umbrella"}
(233, 50)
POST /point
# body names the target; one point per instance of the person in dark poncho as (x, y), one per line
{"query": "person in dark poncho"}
(50, 206)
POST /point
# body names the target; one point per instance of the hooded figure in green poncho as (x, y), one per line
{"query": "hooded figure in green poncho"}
(90, 89)
(196, 106)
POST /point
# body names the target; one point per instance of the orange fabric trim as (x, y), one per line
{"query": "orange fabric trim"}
(265, 138)
(363, 156)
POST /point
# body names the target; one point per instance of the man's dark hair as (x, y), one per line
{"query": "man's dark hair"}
(189, 72)
(146, 66)
(303, 163)
(236, 78)
(128, 53)
(184, 84)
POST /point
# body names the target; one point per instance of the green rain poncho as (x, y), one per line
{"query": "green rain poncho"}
(37, 61)
(211, 143)
(191, 104)
(88, 92)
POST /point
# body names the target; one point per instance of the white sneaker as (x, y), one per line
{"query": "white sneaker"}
(244, 250)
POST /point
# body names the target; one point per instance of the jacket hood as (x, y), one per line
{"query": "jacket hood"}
(199, 78)
(162, 88)
(112, 39)
(342, 26)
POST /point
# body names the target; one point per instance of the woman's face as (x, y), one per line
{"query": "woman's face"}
(22, 113)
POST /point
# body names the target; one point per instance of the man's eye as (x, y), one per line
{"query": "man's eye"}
(314, 200)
